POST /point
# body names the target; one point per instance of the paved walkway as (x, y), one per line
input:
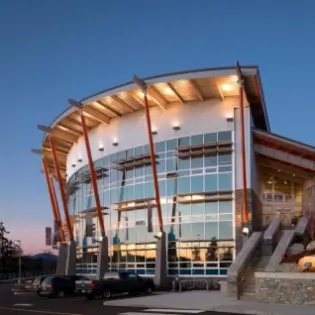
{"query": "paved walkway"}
(211, 301)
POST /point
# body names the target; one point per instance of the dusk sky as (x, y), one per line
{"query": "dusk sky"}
(54, 50)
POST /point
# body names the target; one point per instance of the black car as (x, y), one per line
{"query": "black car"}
(58, 286)
(117, 282)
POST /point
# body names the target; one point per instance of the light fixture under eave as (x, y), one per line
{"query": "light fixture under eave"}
(115, 143)
(101, 148)
(80, 159)
(227, 87)
(176, 127)
(73, 165)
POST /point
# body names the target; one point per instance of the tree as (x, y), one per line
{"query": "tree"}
(212, 250)
(8, 249)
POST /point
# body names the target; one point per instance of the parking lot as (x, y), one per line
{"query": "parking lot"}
(21, 303)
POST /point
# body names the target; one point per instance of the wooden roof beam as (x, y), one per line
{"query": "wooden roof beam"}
(170, 86)
(65, 128)
(118, 100)
(58, 133)
(156, 97)
(112, 110)
(97, 115)
(196, 90)
(135, 95)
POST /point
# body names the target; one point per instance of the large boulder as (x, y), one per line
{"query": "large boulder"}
(311, 247)
(296, 248)
(307, 264)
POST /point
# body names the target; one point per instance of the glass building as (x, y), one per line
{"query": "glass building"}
(197, 128)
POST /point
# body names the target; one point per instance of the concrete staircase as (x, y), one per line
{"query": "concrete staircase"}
(249, 292)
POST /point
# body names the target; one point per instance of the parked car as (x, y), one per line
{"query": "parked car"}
(35, 285)
(58, 286)
(115, 283)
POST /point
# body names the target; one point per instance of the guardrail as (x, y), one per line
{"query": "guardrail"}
(179, 285)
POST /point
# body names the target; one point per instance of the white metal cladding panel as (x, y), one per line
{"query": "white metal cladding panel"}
(238, 149)
(130, 130)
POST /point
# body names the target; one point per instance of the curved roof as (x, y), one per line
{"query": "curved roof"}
(184, 87)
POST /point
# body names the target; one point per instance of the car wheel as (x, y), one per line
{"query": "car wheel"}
(107, 294)
(148, 290)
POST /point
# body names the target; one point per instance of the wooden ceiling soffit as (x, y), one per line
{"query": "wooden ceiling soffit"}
(54, 132)
(72, 124)
(59, 151)
(96, 115)
(110, 109)
(68, 129)
(196, 90)
(179, 97)
(135, 95)
(156, 97)
(122, 103)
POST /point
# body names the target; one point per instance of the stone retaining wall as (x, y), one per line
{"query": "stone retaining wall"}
(285, 288)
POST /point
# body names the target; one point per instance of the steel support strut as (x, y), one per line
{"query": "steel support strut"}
(61, 188)
(243, 145)
(53, 199)
(58, 216)
(92, 174)
(143, 87)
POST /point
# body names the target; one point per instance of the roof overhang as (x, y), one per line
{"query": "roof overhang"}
(284, 149)
(183, 87)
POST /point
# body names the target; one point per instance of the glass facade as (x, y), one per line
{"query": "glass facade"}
(196, 199)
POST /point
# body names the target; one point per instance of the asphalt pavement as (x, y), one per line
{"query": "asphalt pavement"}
(30, 304)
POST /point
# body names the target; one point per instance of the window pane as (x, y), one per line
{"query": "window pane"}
(211, 207)
(149, 191)
(211, 230)
(225, 230)
(130, 192)
(211, 137)
(139, 151)
(184, 142)
(211, 182)
(162, 187)
(196, 184)
(198, 208)
(171, 187)
(170, 165)
(225, 136)
(171, 145)
(184, 231)
(225, 206)
(184, 210)
(225, 159)
(225, 181)
(197, 231)
(160, 147)
(184, 164)
(184, 185)
(197, 139)
(197, 162)
(211, 160)
(160, 167)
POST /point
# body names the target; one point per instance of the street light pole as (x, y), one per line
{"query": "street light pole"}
(18, 242)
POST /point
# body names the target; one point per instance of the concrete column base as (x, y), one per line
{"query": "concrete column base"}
(102, 258)
(71, 263)
(62, 259)
(160, 277)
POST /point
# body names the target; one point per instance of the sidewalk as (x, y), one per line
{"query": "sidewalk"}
(211, 301)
